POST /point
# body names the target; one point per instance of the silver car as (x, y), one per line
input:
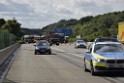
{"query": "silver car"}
(80, 44)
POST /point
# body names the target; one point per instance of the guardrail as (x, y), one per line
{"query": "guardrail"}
(5, 53)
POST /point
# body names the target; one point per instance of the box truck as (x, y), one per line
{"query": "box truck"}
(121, 32)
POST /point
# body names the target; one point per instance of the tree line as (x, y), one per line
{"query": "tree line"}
(14, 27)
(11, 26)
(90, 27)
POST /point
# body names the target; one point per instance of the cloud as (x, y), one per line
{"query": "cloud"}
(39, 13)
(63, 9)
(11, 6)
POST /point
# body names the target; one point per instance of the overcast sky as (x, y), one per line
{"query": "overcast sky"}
(39, 13)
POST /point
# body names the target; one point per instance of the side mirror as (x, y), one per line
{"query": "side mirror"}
(88, 51)
(50, 44)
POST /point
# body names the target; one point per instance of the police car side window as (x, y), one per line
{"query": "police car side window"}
(90, 48)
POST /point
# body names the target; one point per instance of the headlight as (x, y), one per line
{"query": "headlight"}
(36, 48)
(99, 60)
(77, 44)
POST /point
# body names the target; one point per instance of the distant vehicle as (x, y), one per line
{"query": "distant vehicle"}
(53, 38)
(104, 56)
(121, 32)
(80, 44)
(42, 46)
(29, 39)
(106, 40)
(66, 39)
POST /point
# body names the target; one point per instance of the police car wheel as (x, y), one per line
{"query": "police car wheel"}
(50, 52)
(85, 67)
(92, 69)
(35, 52)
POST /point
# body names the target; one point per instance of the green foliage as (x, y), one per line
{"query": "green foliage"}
(2, 22)
(86, 19)
(6, 39)
(78, 29)
(13, 27)
(72, 40)
(90, 27)
(26, 31)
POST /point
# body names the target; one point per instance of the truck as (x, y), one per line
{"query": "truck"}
(53, 38)
(29, 39)
(121, 32)
(56, 38)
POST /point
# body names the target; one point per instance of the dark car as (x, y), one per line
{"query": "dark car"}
(42, 46)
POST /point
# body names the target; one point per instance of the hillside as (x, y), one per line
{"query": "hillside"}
(27, 31)
(90, 27)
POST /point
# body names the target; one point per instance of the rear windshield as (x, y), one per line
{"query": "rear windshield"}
(42, 44)
(80, 41)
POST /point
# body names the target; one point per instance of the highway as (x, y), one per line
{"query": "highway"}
(65, 65)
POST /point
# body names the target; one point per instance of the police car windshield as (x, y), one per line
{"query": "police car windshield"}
(106, 40)
(108, 48)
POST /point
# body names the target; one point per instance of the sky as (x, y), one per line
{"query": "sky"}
(39, 13)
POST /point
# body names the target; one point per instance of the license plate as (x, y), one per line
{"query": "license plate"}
(113, 65)
(120, 65)
(42, 50)
(116, 65)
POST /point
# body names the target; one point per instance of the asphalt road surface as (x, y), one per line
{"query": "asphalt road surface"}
(65, 65)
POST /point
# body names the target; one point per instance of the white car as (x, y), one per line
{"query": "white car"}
(80, 44)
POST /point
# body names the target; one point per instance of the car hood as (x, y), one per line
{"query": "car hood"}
(114, 55)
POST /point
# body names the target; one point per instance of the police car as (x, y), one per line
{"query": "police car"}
(104, 56)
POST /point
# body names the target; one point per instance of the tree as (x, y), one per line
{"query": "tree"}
(13, 27)
(92, 26)
(2, 22)
(104, 32)
(86, 19)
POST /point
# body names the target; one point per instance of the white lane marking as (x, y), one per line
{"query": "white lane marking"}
(68, 53)
(76, 55)
(59, 49)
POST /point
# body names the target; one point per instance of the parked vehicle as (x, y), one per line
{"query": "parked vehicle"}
(121, 32)
(42, 46)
